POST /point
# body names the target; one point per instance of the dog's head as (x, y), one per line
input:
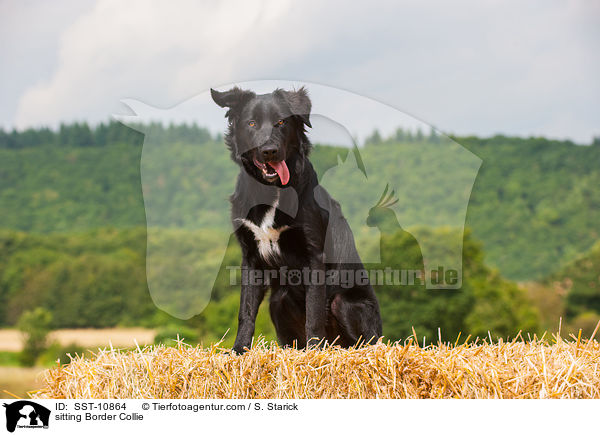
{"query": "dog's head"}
(266, 132)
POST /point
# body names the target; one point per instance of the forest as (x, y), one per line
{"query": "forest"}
(73, 228)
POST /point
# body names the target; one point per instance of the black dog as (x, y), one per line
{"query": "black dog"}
(285, 221)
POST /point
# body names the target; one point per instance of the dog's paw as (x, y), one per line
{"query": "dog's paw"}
(239, 350)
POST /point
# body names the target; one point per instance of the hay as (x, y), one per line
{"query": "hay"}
(516, 369)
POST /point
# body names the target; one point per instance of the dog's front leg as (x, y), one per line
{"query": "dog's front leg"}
(316, 313)
(250, 299)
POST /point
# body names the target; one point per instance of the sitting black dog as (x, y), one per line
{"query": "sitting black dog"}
(285, 222)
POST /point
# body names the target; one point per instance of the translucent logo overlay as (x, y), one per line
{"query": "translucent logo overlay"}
(397, 196)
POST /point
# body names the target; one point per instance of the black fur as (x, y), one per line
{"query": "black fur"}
(271, 127)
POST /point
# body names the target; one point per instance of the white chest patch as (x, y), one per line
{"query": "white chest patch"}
(265, 235)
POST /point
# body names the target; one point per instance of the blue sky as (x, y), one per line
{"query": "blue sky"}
(465, 67)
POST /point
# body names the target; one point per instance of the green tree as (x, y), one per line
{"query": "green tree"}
(581, 279)
(434, 137)
(374, 139)
(35, 326)
(486, 301)
(419, 137)
(399, 136)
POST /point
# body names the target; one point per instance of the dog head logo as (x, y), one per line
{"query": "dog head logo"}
(431, 184)
(26, 414)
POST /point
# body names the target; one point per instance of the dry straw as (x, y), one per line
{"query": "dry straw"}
(516, 369)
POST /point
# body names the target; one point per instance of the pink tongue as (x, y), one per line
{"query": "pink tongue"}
(282, 170)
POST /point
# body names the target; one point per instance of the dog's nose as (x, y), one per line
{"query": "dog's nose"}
(269, 152)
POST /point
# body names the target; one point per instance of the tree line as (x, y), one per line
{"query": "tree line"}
(81, 134)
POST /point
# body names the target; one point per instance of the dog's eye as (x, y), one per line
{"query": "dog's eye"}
(280, 122)
(252, 123)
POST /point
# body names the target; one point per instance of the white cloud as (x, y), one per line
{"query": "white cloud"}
(147, 50)
(465, 67)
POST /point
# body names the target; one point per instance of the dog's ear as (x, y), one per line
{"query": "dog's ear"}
(233, 98)
(299, 103)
